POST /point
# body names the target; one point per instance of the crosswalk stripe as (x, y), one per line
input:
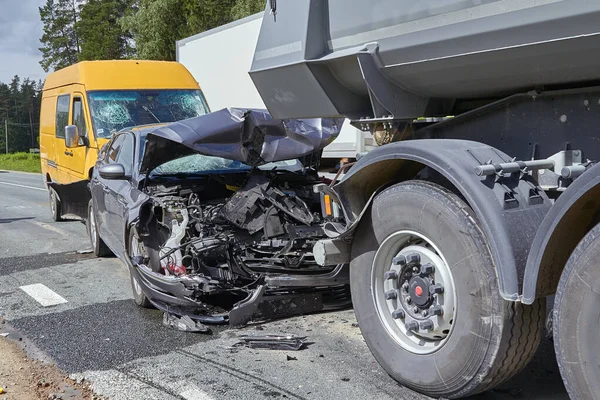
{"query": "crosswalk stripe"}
(43, 295)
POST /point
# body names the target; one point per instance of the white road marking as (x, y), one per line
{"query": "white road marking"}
(43, 295)
(195, 393)
(23, 186)
(50, 228)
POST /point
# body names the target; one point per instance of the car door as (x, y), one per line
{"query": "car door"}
(118, 193)
(63, 158)
(101, 189)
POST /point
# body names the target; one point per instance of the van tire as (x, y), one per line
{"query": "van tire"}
(490, 339)
(98, 246)
(55, 206)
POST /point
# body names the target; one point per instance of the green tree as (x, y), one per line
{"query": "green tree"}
(20, 108)
(101, 35)
(244, 8)
(60, 42)
(156, 25)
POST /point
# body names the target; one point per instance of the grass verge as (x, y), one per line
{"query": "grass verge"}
(25, 162)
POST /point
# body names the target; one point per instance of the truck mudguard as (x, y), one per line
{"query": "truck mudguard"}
(509, 205)
(574, 214)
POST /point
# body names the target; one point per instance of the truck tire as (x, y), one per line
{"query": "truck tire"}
(442, 331)
(137, 248)
(98, 246)
(54, 205)
(577, 319)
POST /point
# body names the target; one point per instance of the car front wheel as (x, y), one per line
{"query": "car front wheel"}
(98, 246)
(137, 249)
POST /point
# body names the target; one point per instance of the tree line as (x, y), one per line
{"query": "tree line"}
(20, 112)
(79, 30)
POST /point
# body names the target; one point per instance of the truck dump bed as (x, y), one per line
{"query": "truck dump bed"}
(406, 59)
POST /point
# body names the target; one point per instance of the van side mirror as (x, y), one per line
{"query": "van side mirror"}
(71, 136)
(112, 171)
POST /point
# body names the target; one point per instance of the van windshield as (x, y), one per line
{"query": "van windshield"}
(114, 110)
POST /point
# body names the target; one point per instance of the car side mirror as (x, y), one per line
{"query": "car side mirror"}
(71, 136)
(112, 171)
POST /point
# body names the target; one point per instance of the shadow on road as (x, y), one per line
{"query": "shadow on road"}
(9, 220)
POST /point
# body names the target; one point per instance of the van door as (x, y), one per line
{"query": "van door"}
(75, 157)
(62, 154)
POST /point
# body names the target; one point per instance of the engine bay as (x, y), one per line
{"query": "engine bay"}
(215, 247)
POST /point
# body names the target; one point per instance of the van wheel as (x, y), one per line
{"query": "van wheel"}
(136, 248)
(98, 245)
(577, 319)
(426, 296)
(55, 205)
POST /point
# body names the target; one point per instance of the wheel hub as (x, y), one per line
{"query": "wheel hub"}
(414, 291)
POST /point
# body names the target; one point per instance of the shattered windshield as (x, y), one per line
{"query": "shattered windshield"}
(201, 164)
(114, 110)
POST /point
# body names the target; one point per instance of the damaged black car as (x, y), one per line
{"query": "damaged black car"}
(217, 216)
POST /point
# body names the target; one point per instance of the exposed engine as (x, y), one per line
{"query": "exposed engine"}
(214, 244)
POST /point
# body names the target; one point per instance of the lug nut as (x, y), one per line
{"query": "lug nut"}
(437, 288)
(424, 313)
(391, 275)
(426, 325)
(396, 314)
(427, 269)
(390, 295)
(415, 309)
(413, 258)
(405, 286)
(399, 260)
(436, 310)
(411, 326)
(408, 300)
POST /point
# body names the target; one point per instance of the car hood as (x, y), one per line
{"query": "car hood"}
(249, 136)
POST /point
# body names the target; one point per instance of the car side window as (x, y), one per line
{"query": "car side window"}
(125, 156)
(79, 116)
(62, 115)
(114, 149)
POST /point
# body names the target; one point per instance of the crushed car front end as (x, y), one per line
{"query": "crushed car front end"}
(231, 210)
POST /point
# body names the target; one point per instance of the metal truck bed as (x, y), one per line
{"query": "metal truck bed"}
(405, 59)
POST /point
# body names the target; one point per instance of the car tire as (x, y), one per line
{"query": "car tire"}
(577, 319)
(98, 246)
(475, 339)
(138, 294)
(55, 206)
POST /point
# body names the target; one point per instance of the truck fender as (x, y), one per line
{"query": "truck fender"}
(509, 207)
(573, 215)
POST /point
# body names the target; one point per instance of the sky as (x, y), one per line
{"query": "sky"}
(20, 31)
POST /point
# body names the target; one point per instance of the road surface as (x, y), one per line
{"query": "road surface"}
(91, 329)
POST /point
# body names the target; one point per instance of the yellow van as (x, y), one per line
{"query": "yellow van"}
(84, 104)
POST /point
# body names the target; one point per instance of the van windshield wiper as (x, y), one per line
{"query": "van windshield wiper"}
(151, 113)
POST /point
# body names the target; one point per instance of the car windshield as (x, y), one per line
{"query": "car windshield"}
(198, 164)
(115, 110)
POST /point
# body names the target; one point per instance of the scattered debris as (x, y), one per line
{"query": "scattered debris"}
(273, 342)
(346, 379)
(84, 251)
(355, 325)
(5, 334)
(185, 324)
(290, 358)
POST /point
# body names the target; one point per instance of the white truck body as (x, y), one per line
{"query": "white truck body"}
(223, 76)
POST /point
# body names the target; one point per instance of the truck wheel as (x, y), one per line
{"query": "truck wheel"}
(577, 319)
(54, 205)
(137, 248)
(98, 245)
(426, 296)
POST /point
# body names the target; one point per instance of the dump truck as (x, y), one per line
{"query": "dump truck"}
(483, 196)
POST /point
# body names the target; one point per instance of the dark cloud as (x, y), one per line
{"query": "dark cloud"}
(20, 31)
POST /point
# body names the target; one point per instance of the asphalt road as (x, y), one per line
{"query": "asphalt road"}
(97, 333)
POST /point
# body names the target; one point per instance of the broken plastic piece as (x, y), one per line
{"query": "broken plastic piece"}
(273, 342)
(184, 324)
